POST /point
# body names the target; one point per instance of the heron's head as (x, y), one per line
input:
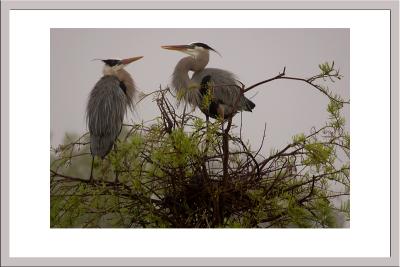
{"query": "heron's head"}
(194, 49)
(112, 66)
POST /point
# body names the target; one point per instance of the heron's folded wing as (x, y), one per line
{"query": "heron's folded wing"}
(106, 107)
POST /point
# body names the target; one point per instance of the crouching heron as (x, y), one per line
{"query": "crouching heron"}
(223, 88)
(107, 106)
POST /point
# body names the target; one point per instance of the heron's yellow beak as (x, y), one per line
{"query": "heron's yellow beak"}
(130, 60)
(176, 47)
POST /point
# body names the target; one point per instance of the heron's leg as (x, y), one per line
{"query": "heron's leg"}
(223, 120)
(91, 171)
(221, 115)
(103, 173)
(116, 151)
(183, 116)
(207, 129)
(116, 171)
(116, 177)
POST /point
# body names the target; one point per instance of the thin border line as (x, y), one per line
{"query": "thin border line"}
(116, 9)
(390, 129)
(282, 9)
(390, 94)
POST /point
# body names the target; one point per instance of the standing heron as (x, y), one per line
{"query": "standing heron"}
(223, 88)
(107, 106)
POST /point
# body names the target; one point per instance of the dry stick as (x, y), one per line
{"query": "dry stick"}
(225, 140)
(308, 81)
(87, 181)
(170, 109)
(225, 155)
(168, 124)
(183, 116)
(252, 157)
(311, 191)
(266, 81)
(154, 92)
(225, 150)
(70, 178)
(262, 141)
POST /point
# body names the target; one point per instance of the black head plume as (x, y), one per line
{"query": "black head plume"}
(205, 46)
(111, 62)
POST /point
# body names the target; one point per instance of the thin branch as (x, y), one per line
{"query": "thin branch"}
(282, 76)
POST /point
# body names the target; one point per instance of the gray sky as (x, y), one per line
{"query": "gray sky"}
(288, 107)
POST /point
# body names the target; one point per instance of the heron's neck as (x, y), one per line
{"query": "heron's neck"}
(201, 61)
(186, 64)
(125, 77)
(181, 73)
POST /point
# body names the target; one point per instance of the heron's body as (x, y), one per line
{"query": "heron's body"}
(107, 106)
(226, 97)
(221, 85)
(108, 102)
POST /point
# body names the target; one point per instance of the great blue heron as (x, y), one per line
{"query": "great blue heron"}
(107, 105)
(226, 96)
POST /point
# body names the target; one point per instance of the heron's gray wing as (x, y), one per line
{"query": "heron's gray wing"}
(226, 88)
(105, 112)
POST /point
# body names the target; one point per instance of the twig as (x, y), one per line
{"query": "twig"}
(308, 81)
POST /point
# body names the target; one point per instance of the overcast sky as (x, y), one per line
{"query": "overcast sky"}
(288, 107)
